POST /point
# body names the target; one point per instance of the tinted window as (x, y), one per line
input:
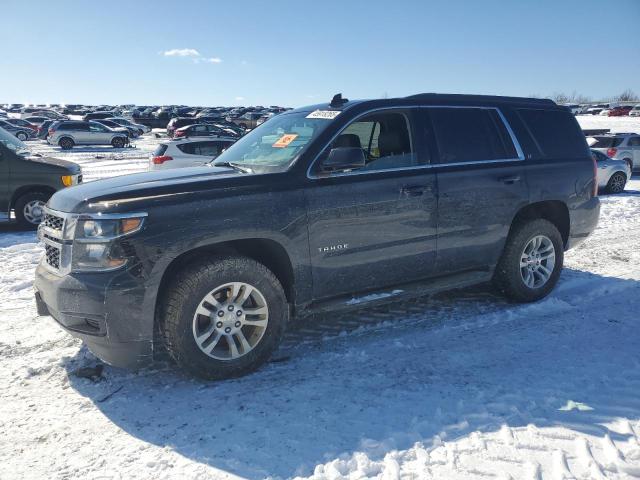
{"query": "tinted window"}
(606, 142)
(471, 134)
(556, 132)
(634, 142)
(160, 149)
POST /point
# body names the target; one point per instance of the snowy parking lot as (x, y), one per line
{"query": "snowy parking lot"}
(462, 386)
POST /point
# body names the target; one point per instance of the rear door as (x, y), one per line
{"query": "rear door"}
(634, 145)
(375, 226)
(481, 184)
(5, 172)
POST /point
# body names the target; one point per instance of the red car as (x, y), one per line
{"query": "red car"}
(620, 111)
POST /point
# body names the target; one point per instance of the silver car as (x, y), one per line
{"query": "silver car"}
(612, 174)
(66, 134)
(619, 146)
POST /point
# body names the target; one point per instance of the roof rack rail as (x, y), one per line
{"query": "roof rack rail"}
(483, 98)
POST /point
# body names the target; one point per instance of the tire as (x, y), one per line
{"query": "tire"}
(28, 209)
(186, 295)
(118, 142)
(22, 136)
(140, 132)
(509, 277)
(616, 183)
(66, 143)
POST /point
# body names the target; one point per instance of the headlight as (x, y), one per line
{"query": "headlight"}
(95, 245)
(68, 180)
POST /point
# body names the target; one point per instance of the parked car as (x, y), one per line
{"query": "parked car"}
(130, 132)
(188, 152)
(612, 174)
(68, 133)
(635, 111)
(29, 181)
(621, 111)
(248, 120)
(320, 208)
(199, 130)
(37, 121)
(29, 111)
(179, 122)
(619, 146)
(18, 122)
(142, 129)
(43, 129)
(21, 133)
(50, 114)
(97, 115)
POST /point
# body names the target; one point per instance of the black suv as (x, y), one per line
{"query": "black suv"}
(323, 207)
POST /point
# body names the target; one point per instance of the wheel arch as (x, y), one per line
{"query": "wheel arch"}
(555, 211)
(24, 189)
(266, 251)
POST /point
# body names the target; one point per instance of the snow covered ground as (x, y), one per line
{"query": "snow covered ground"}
(464, 386)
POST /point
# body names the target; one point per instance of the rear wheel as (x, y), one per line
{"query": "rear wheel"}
(223, 318)
(29, 209)
(22, 136)
(66, 143)
(616, 183)
(531, 262)
(118, 142)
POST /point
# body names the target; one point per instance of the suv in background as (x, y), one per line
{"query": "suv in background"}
(179, 122)
(68, 133)
(325, 207)
(188, 152)
(203, 130)
(619, 146)
(29, 180)
(248, 120)
(97, 115)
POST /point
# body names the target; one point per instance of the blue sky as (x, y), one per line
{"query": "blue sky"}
(293, 53)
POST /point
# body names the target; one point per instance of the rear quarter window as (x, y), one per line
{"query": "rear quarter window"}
(160, 149)
(556, 132)
(606, 142)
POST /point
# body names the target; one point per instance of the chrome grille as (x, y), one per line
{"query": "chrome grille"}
(52, 221)
(52, 256)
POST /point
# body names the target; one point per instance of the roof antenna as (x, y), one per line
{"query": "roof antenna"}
(338, 101)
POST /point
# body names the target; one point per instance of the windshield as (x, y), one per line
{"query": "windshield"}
(12, 143)
(275, 145)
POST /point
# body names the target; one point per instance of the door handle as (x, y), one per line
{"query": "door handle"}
(510, 179)
(414, 190)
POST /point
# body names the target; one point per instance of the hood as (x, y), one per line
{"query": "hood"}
(73, 168)
(129, 192)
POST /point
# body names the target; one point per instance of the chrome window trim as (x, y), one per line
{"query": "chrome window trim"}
(512, 135)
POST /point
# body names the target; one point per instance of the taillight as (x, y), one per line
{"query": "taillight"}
(612, 152)
(161, 159)
(178, 133)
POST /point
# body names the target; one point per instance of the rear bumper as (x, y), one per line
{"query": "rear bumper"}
(584, 220)
(103, 310)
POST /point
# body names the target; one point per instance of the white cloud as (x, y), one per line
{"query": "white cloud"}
(239, 99)
(208, 60)
(181, 52)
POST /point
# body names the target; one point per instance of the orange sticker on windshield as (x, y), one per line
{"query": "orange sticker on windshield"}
(285, 140)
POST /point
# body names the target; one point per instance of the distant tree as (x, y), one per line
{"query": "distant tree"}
(560, 97)
(627, 96)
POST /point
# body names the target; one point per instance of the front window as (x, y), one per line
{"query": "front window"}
(12, 143)
(275, 145)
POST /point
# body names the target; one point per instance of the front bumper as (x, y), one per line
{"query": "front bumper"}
(104, 310)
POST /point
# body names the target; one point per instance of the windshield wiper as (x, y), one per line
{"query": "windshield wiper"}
(235, 166)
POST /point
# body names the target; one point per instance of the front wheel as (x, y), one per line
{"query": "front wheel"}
(617, 183)
(118, 142)
(22, 136)
(531, 261)
(223, 318)
(29, 209)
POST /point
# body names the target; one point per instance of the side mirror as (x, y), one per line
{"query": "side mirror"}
(344, 158)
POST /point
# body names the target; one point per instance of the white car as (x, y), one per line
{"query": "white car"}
(125, 122)
(188, 152)
(635, 111)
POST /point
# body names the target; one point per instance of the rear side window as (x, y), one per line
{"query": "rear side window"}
(556, 132)
(606, 142)
(634, 142)
(471, 135)
(160, 149)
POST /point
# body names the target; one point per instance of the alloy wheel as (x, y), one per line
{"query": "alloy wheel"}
(33, 211)
(230, 321)
(537, 261)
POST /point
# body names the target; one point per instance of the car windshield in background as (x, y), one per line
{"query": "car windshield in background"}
(275, 145)
(606, 142)
(12, 143)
